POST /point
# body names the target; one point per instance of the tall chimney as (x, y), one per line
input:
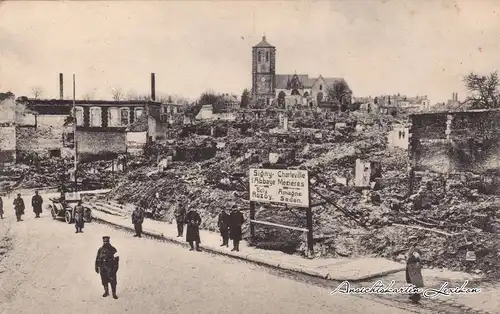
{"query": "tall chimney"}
(61, 86)
(153, 92)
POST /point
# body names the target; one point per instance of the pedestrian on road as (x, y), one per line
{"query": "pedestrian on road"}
(180, 218)
(193, 221)
(414, 269)
(36, 202)
(1, 207)
(19, 207)
(106, 264)
(78, 213)
(223, 224)
(235, 221)
(137, 220)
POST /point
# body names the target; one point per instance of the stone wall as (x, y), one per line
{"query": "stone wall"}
(94, 143)
(7, 144)
(44, 139)
(456, 142)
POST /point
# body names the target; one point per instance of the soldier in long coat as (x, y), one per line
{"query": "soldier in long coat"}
(223, 224)
(236, 220)
(36, 202)
(1, 208)
(180, 218)
(106, 264)
(193, 221)
(78, 213)
(137, 219)
(414, 269)
(19, 207)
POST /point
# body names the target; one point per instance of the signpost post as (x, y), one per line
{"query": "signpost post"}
(284, 186)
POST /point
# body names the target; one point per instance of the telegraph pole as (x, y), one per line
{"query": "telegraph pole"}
(74, 136)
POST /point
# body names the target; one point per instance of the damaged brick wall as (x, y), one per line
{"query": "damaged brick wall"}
(92, 143)
(456, 142)
(45, 137)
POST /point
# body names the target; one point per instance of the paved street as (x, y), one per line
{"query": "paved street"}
(50, 269)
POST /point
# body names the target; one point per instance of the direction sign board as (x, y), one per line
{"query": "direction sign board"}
(280, 185)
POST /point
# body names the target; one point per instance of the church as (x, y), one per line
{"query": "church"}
(287, 90)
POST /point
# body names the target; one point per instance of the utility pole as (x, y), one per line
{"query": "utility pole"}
(74, 136)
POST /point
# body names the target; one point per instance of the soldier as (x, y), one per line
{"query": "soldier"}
(180, 218)
(235, 222)
(107, 265)
(78, 213)
(223, 225)
(19, 207)
(1, 207)
(36, 202)
(414, 268)
(193, 221)
(137, 220)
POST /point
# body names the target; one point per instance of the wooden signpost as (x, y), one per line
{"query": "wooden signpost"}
(283, 186)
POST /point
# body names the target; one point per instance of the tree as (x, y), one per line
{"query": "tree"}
(245, 98)
(117, 93)
(37, 92)
(211, 98)
(339, 92)
(484, 90)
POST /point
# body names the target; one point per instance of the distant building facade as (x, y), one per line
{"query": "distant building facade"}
(285, 89)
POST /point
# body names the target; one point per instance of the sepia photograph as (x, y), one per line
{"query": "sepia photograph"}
(336, 156)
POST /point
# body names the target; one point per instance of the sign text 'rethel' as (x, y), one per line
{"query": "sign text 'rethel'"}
(281, 186)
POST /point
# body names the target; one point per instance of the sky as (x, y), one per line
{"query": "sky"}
(421, 47)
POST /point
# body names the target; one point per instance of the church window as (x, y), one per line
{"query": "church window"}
(267, 56)
(258, 56)
(321, 87)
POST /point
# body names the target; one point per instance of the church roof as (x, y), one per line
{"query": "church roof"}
(282, 81)
(263, 44)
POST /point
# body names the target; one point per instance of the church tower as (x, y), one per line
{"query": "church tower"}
(263, 71)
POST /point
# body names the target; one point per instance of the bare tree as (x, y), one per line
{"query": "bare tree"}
(117, 93)
(37, 92)
(339, 92)
(484, 90)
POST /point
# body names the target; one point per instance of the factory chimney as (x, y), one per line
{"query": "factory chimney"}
(61, 86)
(153, 92)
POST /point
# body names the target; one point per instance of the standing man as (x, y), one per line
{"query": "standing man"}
(193, 221)
(223, 225)
(78, 213)
(1, 207)
(235, 222)
(107, 266)
(414, 268)
(36, 202)
(19, 207)
(137, 220)
(180, 217)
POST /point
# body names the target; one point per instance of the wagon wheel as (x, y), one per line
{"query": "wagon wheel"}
(67, 217)
(53, 212)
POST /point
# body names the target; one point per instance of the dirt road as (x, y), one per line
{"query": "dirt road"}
(50, 269)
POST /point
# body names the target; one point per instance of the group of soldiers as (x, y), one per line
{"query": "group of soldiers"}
(229, 224)
(19, 207)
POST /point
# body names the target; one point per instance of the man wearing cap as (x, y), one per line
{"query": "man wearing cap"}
(78, 213)
(107, 265)
(235, 222)
(19, 207)
(193, 221)
(137, 220)
(180, 217)
(36, 203)
(223, 224)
